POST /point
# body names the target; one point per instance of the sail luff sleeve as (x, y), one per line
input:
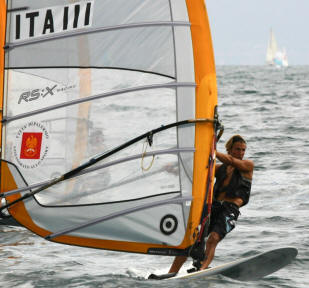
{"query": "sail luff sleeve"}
(206, 101)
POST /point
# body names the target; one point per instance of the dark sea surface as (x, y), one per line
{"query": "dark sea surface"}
(270, 108)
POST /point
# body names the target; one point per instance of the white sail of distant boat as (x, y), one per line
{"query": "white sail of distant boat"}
(93, 93)
(275, 56)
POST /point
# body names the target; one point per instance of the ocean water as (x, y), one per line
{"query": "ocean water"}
(269, 107)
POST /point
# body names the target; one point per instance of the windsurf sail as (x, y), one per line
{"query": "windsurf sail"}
(108, 121)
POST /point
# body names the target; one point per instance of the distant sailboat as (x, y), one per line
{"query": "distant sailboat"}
(274, 56)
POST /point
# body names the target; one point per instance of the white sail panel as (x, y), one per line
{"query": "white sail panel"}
(272, 48)
(153, 53)
(104, 115)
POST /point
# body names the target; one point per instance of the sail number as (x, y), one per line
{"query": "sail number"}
(51, 20)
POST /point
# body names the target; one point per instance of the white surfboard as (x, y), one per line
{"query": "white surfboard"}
(250, 268)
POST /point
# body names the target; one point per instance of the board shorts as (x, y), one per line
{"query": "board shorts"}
(223, 218)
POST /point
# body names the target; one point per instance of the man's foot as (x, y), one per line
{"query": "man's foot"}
(204, 268)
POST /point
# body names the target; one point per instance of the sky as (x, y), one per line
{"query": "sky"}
(240, 30)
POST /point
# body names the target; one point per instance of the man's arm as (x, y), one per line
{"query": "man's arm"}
(245, 166)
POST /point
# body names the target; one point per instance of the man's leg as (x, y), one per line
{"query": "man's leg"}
(178, 262)
(211, 245)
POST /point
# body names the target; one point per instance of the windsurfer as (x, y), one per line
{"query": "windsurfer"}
(231, 191)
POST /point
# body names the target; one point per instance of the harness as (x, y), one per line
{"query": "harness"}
(239, 186)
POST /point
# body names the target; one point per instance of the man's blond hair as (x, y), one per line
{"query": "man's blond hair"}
(236, 138)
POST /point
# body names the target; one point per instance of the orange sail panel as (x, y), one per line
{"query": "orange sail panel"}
(97, 99)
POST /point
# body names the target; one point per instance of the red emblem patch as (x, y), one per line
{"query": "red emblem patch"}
(31, 145)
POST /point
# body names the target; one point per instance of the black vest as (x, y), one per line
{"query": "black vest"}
(239, 187)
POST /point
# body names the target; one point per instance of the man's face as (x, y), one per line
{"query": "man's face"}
(238, 150)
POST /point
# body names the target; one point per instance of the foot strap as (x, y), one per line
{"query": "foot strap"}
(162, 276)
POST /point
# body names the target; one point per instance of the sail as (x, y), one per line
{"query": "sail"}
(272, 48)
(109, 121)
(275, 56)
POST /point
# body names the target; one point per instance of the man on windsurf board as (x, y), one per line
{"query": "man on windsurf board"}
(231, 191)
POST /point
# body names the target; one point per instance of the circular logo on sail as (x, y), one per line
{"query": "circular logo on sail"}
(31, 145)
(168, 224)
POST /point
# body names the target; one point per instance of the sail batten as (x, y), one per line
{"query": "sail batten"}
(102, 166)
(13, 45)
(122, 213)
(109, 121)
(91, 67)
(17, 9)
(94, 97)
